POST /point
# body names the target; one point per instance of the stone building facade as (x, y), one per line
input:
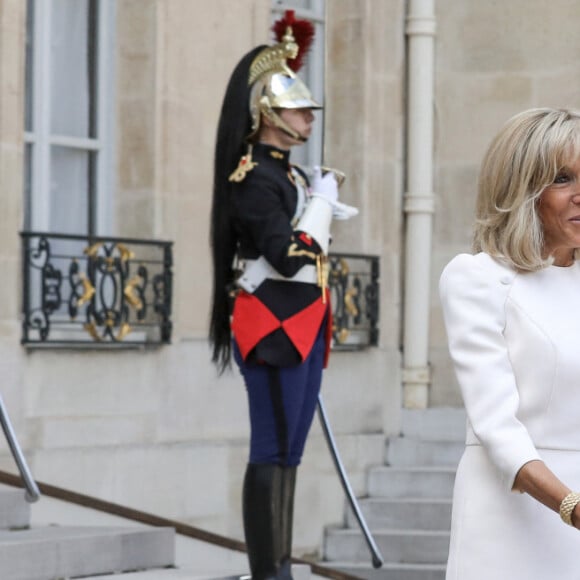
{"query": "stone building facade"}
(156, 428)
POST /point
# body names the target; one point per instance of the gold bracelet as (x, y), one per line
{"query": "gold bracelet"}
(567, 507)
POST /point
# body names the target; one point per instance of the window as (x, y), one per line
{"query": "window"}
(312, 73)
(69, 113)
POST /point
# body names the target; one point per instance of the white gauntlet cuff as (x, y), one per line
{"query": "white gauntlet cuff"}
(315, 221)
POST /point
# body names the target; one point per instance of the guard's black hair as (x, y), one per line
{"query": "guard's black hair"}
(234, 126)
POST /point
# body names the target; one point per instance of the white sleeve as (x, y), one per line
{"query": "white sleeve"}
(473, 300)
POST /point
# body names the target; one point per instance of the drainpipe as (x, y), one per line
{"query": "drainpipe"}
(418, 202)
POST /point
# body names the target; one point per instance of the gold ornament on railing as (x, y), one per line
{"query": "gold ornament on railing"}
(131, 295)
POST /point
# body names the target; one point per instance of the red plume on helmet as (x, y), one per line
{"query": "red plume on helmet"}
(303, 32)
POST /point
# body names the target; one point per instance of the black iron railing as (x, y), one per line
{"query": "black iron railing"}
(95, 290)
(354, 286)
(99, 291)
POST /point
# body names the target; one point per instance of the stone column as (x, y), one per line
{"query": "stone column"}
(12, 65)
(12, 99)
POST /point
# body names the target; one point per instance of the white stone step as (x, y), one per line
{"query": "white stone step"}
(420, 482)
(299, 572)
(409, 451)
(393, 571)
(14, 509)
(438, 424)
(67, 552)
(408, 506)
(165, 574)
(153, 574)
(403, 514)
(397, 546)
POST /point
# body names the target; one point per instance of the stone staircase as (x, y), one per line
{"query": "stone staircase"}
(95, 545)
(58, 552)
(408, 506)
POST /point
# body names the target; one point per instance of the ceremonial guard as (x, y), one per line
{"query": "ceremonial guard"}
(271, 307)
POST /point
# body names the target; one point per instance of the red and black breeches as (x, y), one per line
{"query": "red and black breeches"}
(282, 402)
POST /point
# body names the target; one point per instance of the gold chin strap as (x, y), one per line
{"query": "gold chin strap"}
(268, 112)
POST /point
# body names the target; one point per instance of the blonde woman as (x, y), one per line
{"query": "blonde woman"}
(512, 314)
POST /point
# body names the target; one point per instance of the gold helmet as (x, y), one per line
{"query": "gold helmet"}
(274, 85)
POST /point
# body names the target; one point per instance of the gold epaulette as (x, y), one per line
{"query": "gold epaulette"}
(244, 166)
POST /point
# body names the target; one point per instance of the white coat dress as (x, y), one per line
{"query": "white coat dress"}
(514, 339)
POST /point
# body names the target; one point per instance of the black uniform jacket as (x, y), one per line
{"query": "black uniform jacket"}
(264, 204)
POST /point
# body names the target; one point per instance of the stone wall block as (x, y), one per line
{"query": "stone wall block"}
(137, 209)
(87, 384)
(347, 385)
(169, 481)
(472, 109)
(483, 37)
(136, 27)
(71, 432)
(200, 404)
(10, 292)
(12, 28)
(455, 203)
(136, 146)
(558, 88)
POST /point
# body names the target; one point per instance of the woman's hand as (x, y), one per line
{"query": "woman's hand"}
(535, 479)
(576, 517)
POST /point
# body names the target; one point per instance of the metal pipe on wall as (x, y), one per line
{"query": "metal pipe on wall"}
(418, 202)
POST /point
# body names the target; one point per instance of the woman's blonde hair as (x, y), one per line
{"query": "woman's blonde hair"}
(522, 160)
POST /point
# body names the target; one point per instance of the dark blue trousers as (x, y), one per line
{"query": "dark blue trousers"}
(282, 402)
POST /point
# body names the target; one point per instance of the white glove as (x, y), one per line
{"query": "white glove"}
(342, 211)
(325, 186)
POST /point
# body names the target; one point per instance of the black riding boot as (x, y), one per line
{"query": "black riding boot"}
(287, 519)
(261, 512)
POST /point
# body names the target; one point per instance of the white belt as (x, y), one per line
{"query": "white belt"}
(256, 271)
